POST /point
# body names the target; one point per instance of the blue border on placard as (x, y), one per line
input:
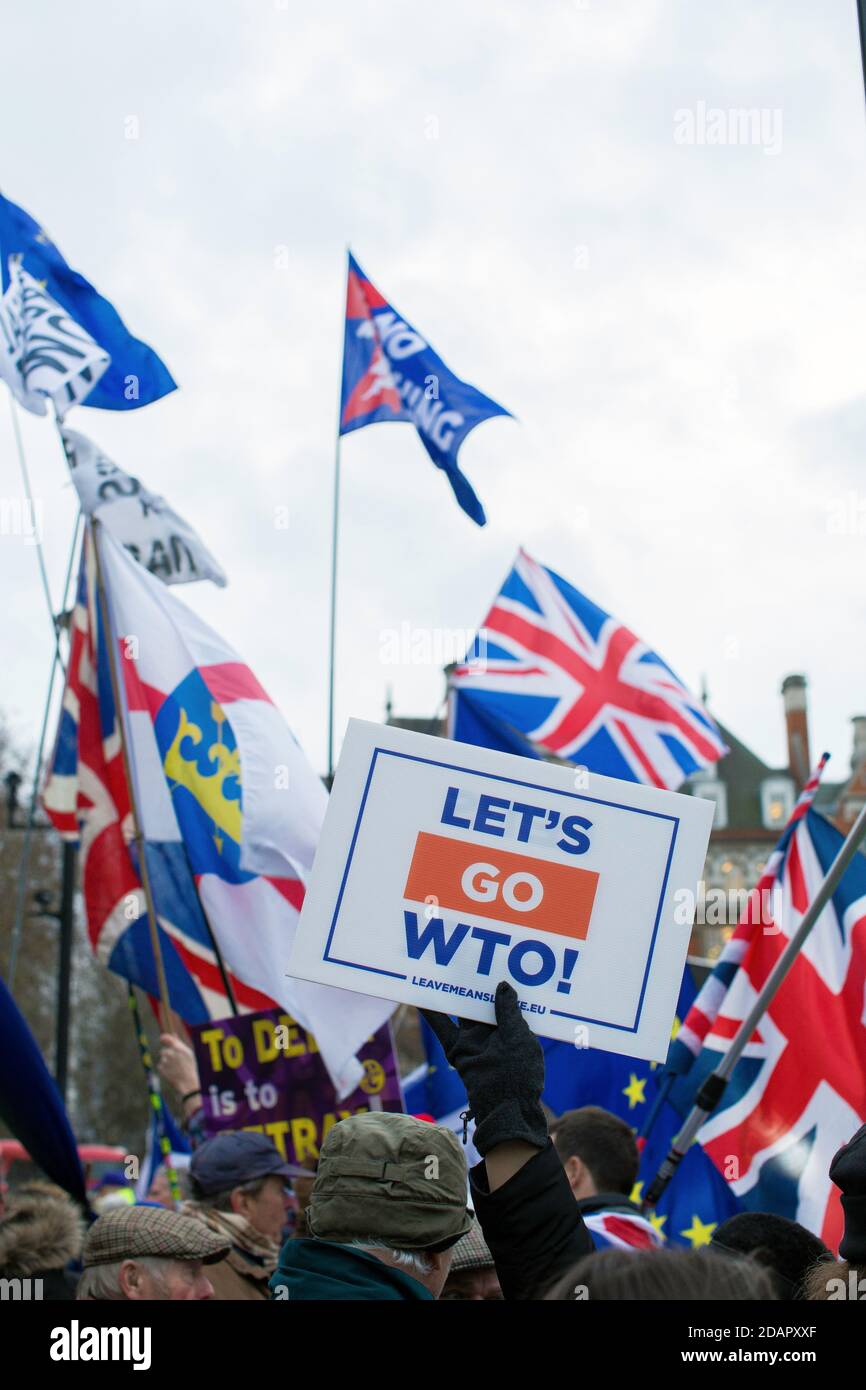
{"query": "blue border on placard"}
(533, 786)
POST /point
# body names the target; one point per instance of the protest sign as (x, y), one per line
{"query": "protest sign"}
(262, 1071)
(443, 868)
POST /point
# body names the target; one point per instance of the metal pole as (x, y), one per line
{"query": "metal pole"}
(65, 918)
(335, 526)
(24, 861)
(28, 493)
(861, 22)
(334, 537)
(713, 1087)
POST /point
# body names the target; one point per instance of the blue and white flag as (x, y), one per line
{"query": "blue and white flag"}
(136, 375)
(391, 373)
(44, 354)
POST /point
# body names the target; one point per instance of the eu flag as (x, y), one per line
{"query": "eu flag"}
(136, 375)
(697, 1200)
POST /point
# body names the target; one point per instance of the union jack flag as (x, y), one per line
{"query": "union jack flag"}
(551, 672)
(758, 912)
(799, 1090)
(86, 798)
(619, 1226)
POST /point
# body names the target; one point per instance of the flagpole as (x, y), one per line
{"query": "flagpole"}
(334, 539)
(861, 24)
(221, 966)
(713, 1088)
(157, 1103)
(28, 493)
(24, 861)
(138, 837)
(335, 531)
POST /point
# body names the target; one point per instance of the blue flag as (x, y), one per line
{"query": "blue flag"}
(135, 375)
(697, 1200)
(30, 1103)
(391, 373)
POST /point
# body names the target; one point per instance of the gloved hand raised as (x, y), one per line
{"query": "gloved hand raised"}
(848, 1172)
(502, 1068)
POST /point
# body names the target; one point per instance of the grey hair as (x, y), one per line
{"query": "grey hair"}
(222, 1201)
(102, 1282)
(413, 1261)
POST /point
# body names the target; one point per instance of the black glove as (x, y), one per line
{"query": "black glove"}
(502, 1069)
(848, 1172)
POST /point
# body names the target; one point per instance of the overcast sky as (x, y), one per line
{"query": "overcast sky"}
(679, 326)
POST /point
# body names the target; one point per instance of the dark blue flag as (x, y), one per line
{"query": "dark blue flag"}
(30, 1103)
(391, 373)
(696, 1201)
(135, 376)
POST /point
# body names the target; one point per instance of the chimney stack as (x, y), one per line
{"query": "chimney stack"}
(797, 726)
(858, 752)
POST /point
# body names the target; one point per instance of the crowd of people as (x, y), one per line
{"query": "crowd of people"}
(392, 1214)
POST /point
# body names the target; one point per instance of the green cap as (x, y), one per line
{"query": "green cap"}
(393, 1178)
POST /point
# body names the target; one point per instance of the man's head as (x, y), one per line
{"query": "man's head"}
(784, 1247)
(597, 1150)
(243, 1174)
(394, 1187)
(138, 1253)
(472, 1277)
(160, 1187)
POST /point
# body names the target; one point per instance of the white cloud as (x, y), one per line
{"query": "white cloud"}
(678, 328)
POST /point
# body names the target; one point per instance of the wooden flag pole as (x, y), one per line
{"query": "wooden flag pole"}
(713, 1087)
(166, 1020)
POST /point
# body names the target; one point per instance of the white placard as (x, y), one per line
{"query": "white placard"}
(443, 868)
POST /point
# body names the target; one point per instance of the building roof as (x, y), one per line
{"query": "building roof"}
(434, 726)
(742, 772)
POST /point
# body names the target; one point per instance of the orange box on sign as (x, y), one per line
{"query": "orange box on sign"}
(484, 881)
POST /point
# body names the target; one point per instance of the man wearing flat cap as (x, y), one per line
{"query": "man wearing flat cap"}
(148, 1253)
(239, 1193)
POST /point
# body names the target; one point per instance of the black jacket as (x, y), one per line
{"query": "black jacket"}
(532, 1225)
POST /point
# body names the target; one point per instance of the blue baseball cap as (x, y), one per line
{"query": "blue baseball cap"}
(228, 1160)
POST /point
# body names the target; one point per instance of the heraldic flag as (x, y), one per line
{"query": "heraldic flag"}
(391, 373)
(229, 810)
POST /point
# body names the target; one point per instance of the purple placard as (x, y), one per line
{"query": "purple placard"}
(263, 1071)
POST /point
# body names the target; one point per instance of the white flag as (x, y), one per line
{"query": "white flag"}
(218, 772)
(44, 354)
(141, 521)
